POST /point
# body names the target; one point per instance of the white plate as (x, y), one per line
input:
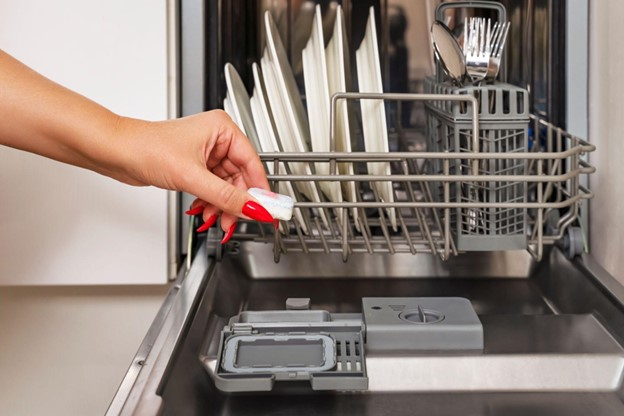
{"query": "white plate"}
(227, 107)
(317, 100)
(339, 80)
(286, 79)
(373, 111)
(267, 136)
(240, 106)
(287, 108)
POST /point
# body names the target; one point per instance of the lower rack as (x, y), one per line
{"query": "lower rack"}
(431, 211)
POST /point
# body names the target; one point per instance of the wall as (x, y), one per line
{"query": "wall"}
(606, 127)
(60, 224)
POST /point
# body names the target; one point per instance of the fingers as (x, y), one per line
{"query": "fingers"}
(209, 214)
(227, 222)
(217, 192)
(240, 156)
(195, 211)
(210, 218)
(220, 195)
(197, 207)
(231, 167)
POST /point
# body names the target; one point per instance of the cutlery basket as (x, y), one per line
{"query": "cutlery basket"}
(503, 128)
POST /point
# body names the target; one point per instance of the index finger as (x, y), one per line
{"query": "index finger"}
(242, 153)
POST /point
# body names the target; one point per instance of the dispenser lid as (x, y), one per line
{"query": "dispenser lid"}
(258, 349)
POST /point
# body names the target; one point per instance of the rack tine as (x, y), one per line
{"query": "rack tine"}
(365, 235)
(362, 216)
(345, 235)
(408, 238)
(426, 190)
(386, 233)
(422, 222)
(304, 246)
(321, 235)
(383, 225)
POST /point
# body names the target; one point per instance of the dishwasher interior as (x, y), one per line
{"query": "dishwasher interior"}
(469, 293)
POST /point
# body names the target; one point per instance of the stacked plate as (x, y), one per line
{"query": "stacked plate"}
(275, 119)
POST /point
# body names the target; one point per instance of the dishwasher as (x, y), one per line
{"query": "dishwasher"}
(470, 292)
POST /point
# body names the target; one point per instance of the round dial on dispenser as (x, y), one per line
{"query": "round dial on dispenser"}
(421, 315)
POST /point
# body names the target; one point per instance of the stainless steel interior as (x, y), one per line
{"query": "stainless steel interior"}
(553, 335)
(553, 327)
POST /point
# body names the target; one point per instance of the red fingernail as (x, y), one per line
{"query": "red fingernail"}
(209, 223)
(195, 211)
(229, 233)
(276, 224)
(257, 212)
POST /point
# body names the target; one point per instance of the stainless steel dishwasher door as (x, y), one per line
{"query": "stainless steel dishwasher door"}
(550, 307)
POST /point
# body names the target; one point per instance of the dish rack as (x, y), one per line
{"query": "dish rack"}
(441, 195)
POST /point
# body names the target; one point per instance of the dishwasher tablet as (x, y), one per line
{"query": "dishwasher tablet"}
(279, 206)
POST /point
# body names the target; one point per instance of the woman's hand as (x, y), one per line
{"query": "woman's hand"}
(205, 155)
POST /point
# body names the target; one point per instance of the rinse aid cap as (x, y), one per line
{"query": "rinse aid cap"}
(279, 206)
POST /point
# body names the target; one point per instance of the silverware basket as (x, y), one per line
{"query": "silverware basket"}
(503, 128)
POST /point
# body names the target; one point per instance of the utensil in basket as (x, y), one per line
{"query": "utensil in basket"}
(448, 52)
(477, 38)
(497, 44)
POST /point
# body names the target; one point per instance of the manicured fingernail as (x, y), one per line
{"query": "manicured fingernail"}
(195, 211)
(209, 223)
(276, 224)
(257, 212)
(229, 233)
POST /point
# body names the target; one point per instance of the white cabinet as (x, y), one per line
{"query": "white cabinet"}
(64, 225)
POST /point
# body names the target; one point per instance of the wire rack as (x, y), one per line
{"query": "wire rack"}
(553, 182)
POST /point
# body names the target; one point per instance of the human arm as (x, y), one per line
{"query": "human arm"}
(205, 155)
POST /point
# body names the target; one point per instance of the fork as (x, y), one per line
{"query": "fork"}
(497, 42)
(477, 47)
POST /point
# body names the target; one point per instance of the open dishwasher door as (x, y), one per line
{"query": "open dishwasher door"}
(552, 333)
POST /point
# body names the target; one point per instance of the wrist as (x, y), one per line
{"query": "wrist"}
(123, 152)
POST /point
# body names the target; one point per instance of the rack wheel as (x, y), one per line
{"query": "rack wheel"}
(573, 242)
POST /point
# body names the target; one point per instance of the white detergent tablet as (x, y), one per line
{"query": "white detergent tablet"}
(279, 206)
